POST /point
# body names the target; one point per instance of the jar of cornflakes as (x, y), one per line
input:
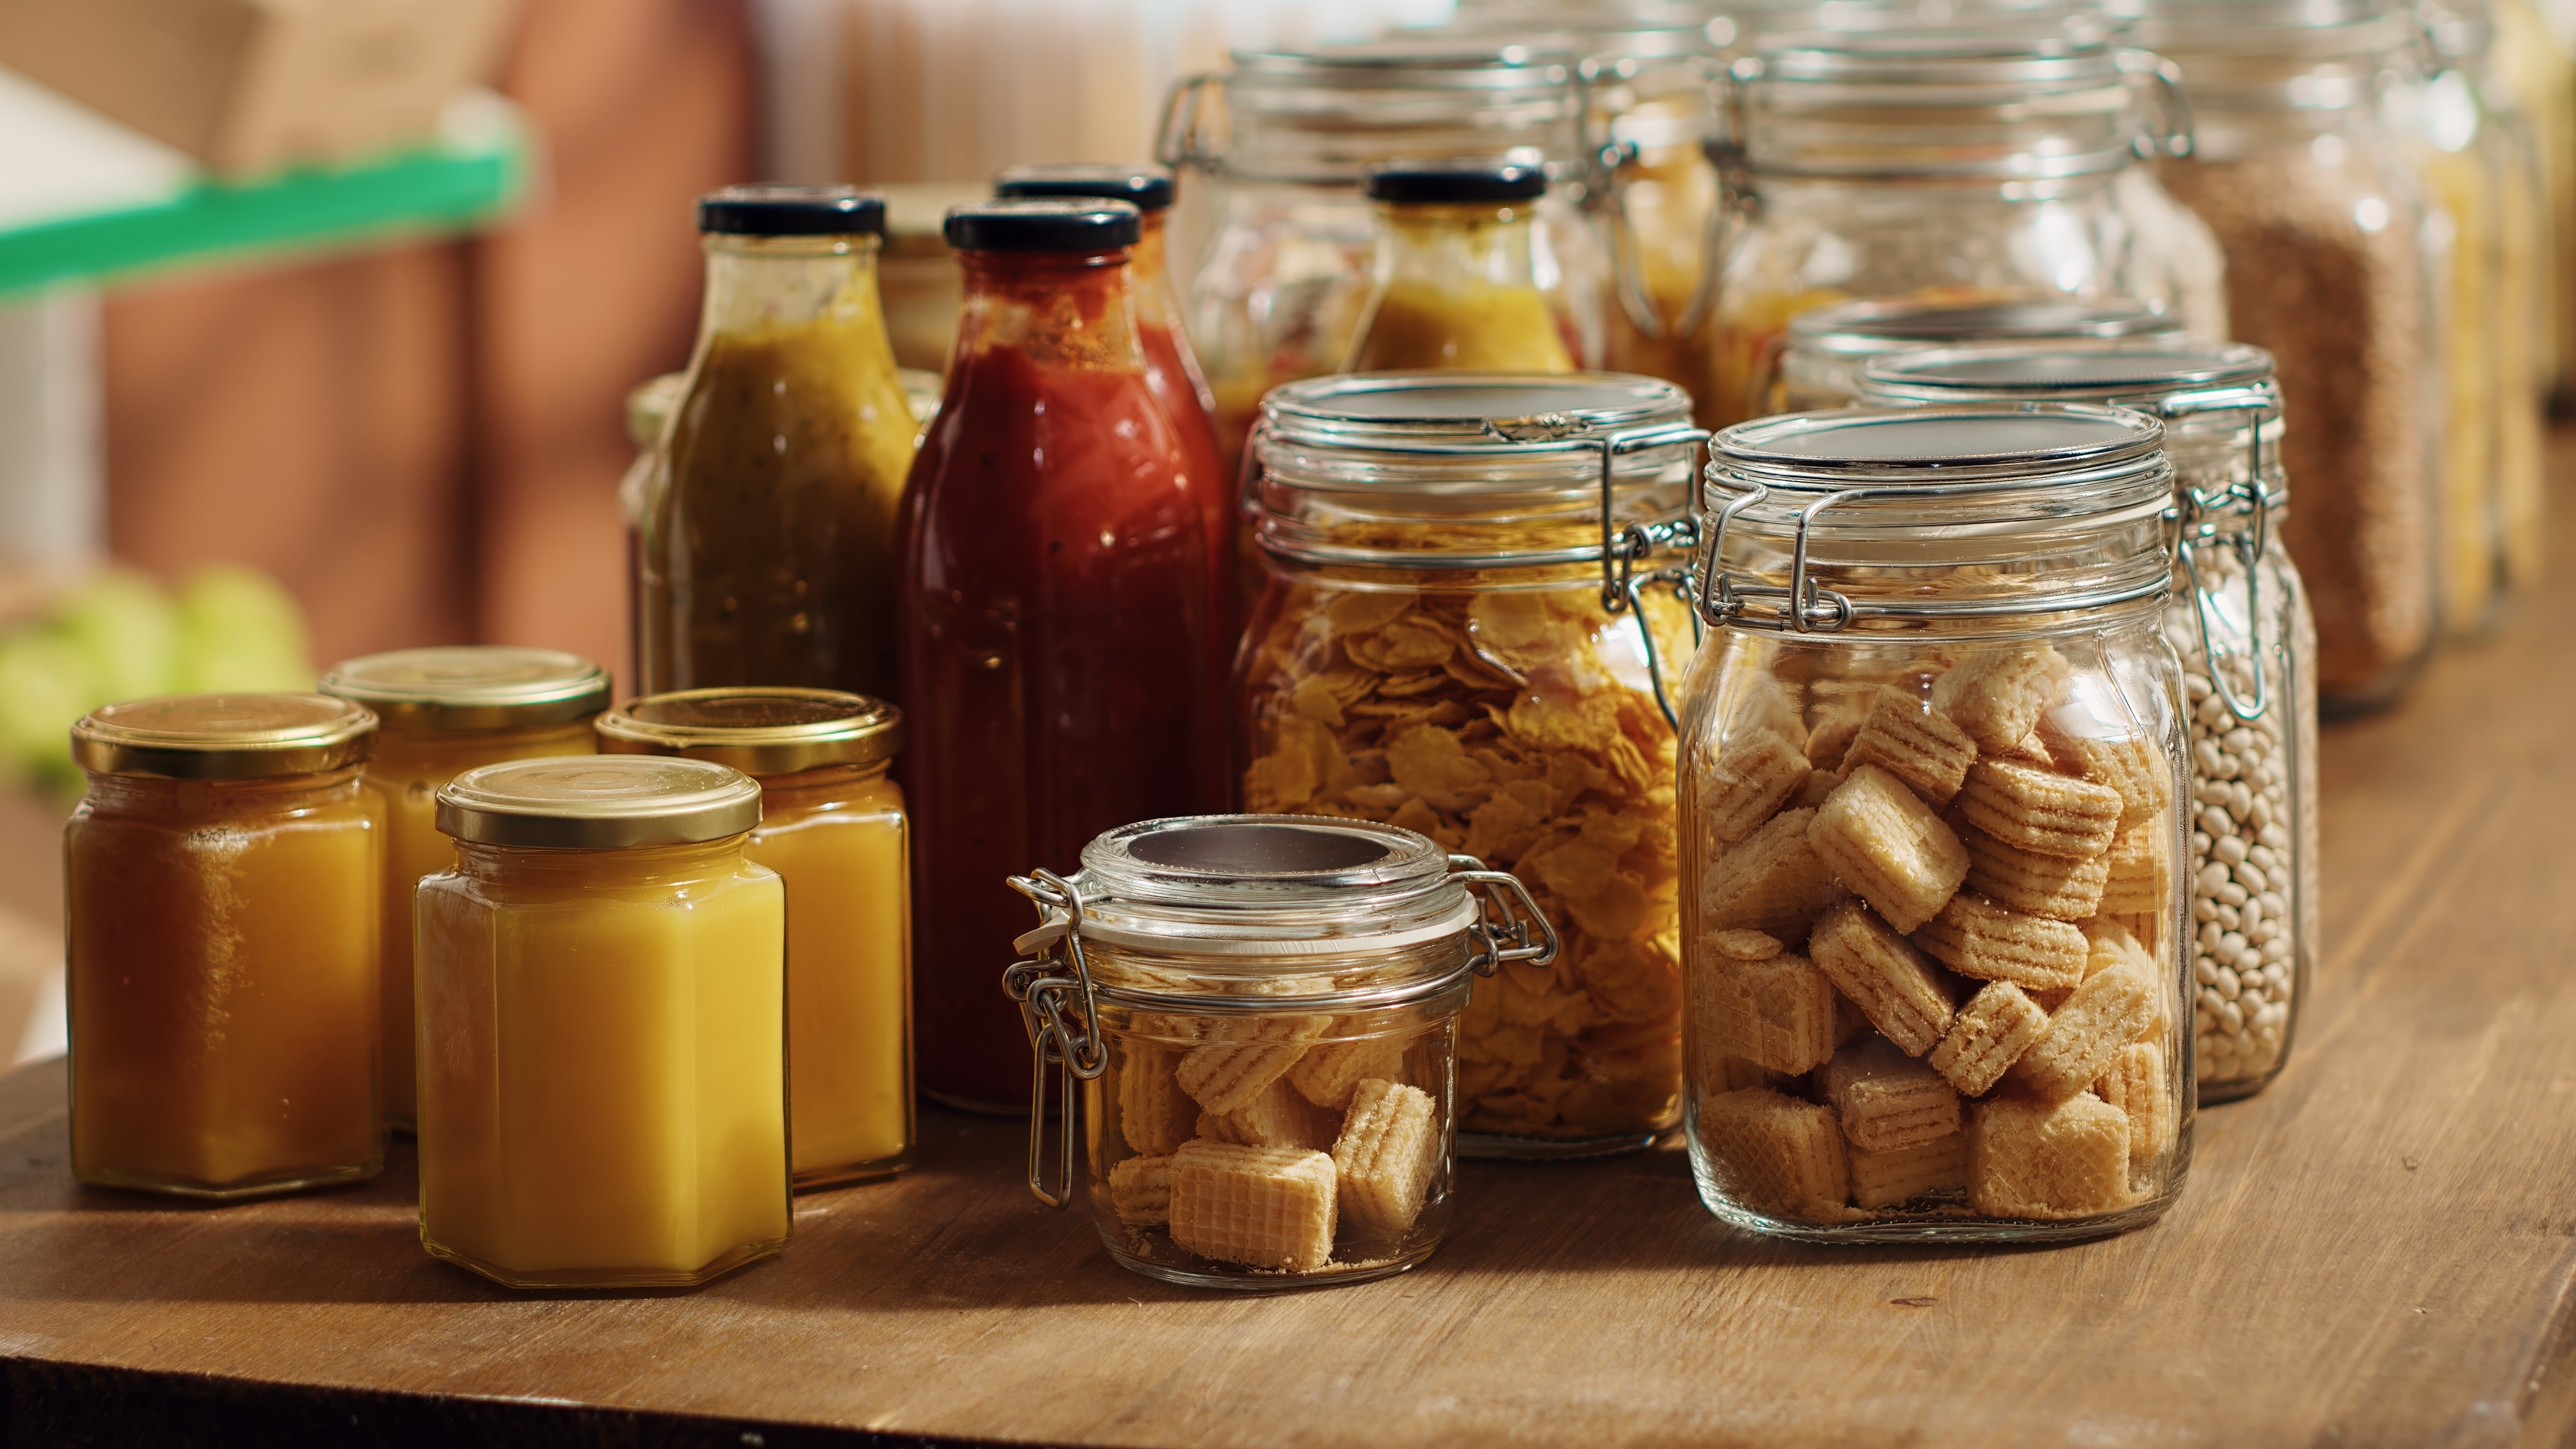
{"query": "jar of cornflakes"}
(1465, 633)
(1932, 804)
(1263, 1014)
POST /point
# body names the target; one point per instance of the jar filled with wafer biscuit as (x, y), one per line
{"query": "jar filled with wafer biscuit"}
(1263, 1016)
(1465, 632)
(2240, 620)
(1931, 804)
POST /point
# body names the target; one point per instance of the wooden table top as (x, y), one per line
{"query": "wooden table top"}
(2380, 1249)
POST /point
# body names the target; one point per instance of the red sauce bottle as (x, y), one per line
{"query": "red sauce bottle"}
(1057, 655)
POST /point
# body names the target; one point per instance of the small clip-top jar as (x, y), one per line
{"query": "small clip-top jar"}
(1263, 1013)
(445, 710)
(603, 1103)
(220, 943)
(832, 826)
(1931, 809)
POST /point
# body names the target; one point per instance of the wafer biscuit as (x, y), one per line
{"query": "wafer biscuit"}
(1140, 1190)
(1819, 787)
(1976, 937)
(2106, 1013)
(1771, 881)
(1746, 779)
(2039, 811)
(1776, 1154)
(2126, 761)
(1777, 1012)
(2136, 1085)
(1992, 1031)
(1223, 1075)
(1886, 1100)
(1154, 1114)
(1885, 1179)
(1386, 1154)
(1883, 975)
(1925, 750)
(2026, 880)
(1888, 847)
(1263, 1207)
(1996, 695)
(1277, 1116)
(2033, 1159)
(1850, 1022)
(2113, 944)
(1744, 945)
(1827, 742)
(1327, 1074)
(2030, 751)
(2139, 865)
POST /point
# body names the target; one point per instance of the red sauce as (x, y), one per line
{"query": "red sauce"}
(1056, 649)
(1172, 371)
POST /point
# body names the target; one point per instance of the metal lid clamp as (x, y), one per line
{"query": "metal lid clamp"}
(1613, 159)
(2198, 529)
(1622, 587)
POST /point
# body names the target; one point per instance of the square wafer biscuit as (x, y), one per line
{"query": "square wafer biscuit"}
(1744, 945)
(2036, 810)
(1746, 779)
(1992, 1031)
(1925, 750)
(1887, 1100)
(1976, 937)
(1885, 1179)
(1777, 1155)
(1386, 1155)
(2043, 885)
(2113, 755)
(2110, 1010)
(1140, 1190)
(1771, 881)
(1154, 1114)
(1223, 1075)
(1850, 1022)
(1819, 787)
(2029, 752)
(2113, 944)
(1777, 1012)
(1884, 976)
(1888, 847)
(1277, 1116)
(1263, 1207)
(2033, 1159)
(2138, 878)
(1827, 742)
(2136, 1085)
(1327, 1074)
(1996, 695)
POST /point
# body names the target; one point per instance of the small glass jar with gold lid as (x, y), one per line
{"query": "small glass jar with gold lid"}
(221, 881)
(445, 710)
(832, 826)
(603, 978)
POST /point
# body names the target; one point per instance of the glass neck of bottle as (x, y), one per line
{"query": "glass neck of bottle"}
(1055, 307)
(1445, 244)
(760, 284)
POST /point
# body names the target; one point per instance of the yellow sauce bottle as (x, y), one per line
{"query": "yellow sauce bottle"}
(832, 825)
(444, 711)
(1458, 285)
(603, 1090)
(220, 942)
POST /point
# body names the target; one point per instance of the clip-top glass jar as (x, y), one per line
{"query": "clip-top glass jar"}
(2240, 621)
(603, 1084)
(1993, 161)
(1817, 362)
(1450, 642)
(220, 883)
(1929, 793)
(1263, 1014)
(445, 710)
(832, 826)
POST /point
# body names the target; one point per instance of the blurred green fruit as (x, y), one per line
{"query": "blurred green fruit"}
(129, 632)
(240, 630)
(46, 685)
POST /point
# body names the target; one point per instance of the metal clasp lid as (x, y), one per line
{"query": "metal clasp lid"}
(2199, 529)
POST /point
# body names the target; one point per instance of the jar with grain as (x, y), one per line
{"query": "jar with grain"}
(2240, 621)
(1932, 799)
(1263, 1014)
(1464, 634)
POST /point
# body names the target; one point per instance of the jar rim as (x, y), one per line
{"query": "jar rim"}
(1870, 326)
(1935, 448)
(598, 802)
(224, 736)
(471, 686)
(757, 729)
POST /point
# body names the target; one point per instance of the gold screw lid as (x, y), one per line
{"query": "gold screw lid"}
(224, 736)
(472, 686)
(598, 802)
(757, 730)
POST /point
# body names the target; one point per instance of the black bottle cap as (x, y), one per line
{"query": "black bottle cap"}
(1043, 224)
(792, 211)
(1464, 180)
(1140, 186)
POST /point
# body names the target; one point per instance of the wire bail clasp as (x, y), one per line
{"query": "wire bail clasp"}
(1509, 925)
(2199, 529)
(1040, 982)
(1622, 549)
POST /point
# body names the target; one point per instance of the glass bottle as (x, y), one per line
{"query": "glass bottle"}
(769, 553)
(1060, 666)
(1456, 282)
(221, 881)
(442, 711)
(832, 825)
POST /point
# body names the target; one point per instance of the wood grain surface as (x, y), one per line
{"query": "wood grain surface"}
(2379, 1250)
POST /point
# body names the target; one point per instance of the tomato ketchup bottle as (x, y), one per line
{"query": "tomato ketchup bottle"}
(1058, 658)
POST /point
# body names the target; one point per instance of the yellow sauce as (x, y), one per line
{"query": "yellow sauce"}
(1458, 293)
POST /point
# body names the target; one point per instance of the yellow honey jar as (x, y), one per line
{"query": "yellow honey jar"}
(443, 711)
(601, 979)
(220, 944)
(832, 825)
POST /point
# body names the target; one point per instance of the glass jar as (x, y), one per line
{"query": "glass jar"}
(220, 885)
(1456, 282)
(1061, 669)
(2240, 621)
(1928, 800)
(2534, 63)
(603, 1090)
(832, 826)
(649, 405)
(1281, 140)
(1450, 642)
(1263, 1015)
(769, 538)
(1816, 363)
(1989, 162)
(2330, 270)
(443, 711)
